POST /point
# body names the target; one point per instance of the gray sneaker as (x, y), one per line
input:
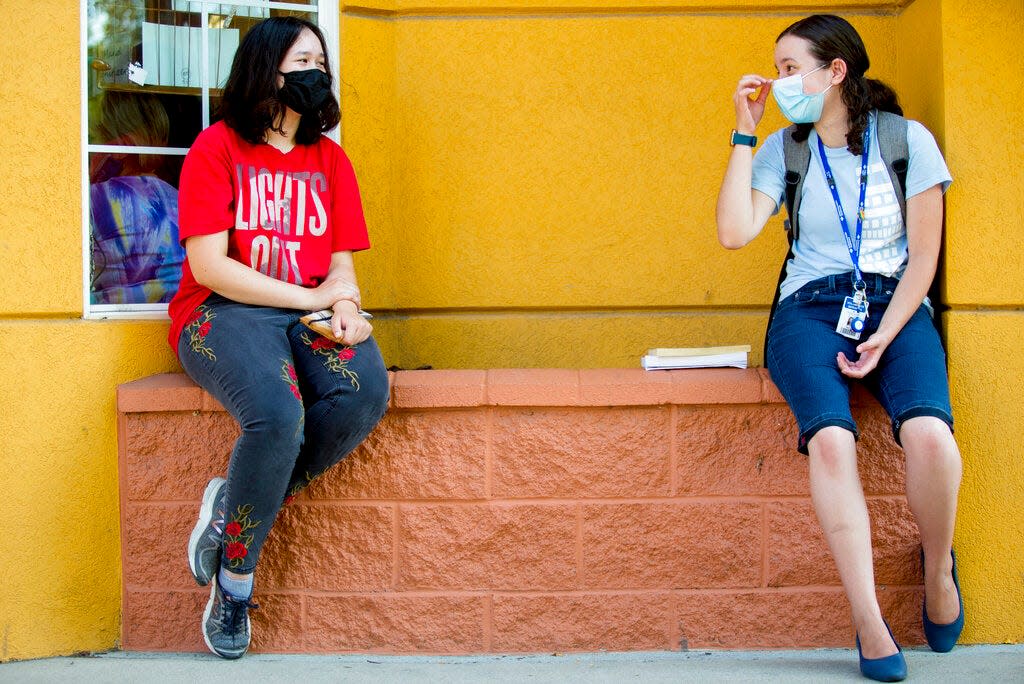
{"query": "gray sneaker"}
(205, 542)
(226, 626)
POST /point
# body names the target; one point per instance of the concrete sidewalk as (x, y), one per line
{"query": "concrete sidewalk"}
(974, 664)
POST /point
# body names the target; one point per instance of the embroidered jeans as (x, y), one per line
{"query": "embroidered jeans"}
(303, 403)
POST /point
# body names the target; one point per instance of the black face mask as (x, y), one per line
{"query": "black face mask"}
(305, 91)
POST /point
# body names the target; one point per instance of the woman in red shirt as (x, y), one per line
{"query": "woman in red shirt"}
(269, 216)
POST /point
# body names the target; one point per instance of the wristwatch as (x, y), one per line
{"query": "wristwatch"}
(738, 138)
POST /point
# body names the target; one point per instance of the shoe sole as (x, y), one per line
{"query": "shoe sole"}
(205, 516)
(206, 616)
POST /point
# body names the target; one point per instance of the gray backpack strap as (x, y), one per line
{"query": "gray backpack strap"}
(892, 143)
(798, 159)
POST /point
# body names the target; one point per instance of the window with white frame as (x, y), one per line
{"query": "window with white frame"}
(152, 73)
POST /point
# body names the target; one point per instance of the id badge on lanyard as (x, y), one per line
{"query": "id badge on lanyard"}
(855, 309)
(853, 315)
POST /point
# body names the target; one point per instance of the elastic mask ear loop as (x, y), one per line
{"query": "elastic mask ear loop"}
(813, 71)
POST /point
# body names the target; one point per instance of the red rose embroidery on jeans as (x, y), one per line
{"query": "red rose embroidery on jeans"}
(236, 550)
(335, 356)
(296, 488)
(197, 327)
(322, 343)
(237, 536)
(289, 376)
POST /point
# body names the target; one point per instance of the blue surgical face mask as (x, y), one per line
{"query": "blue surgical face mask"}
(796, 105)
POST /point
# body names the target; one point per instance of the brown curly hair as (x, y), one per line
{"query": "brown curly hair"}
(833, 37)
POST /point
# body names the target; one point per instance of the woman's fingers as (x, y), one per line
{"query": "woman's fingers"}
(862, 366)
(751, 93)
(350, 328)
(750, 84)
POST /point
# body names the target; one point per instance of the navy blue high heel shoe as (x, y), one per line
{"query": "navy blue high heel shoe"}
(942, 638)
(892, 668)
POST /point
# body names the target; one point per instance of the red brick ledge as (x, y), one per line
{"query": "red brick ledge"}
(523, 510)
(418, 389)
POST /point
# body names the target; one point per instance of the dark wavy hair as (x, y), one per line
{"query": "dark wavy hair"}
(833, 37)
(250, 105)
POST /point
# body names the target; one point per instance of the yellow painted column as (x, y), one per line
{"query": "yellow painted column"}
(984, 288)
(59, 546)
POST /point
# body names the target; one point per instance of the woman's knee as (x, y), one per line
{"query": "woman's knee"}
(279, 426)
(927, 436)
(378, 391)
(374, 391)
(370, 405)
(832, 449)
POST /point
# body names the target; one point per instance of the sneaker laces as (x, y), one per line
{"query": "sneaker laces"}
(234, 611)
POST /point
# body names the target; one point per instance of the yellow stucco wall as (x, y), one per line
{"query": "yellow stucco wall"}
(540, 181)
(552, 182)
(984, 287)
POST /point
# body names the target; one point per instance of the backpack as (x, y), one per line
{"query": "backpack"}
(892, 143)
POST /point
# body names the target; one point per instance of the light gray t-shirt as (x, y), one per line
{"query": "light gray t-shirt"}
(821, 249)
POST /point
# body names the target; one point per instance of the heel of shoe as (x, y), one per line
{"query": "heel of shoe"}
(892, 668)
(942, 638)
(206, 513)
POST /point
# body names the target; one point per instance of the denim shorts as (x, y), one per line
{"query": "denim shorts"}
(909, 381)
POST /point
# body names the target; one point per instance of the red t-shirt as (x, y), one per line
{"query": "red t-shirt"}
(285, 213)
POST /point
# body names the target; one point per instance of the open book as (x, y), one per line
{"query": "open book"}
(696, 357)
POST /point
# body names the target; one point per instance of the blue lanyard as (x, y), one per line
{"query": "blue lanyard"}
(852, 242)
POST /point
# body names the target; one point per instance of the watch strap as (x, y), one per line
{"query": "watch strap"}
(737, 138)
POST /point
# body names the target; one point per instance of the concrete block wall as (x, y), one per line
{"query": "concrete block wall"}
(523, 511)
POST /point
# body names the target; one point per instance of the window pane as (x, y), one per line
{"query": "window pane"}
(144, 118)
(227, 25)
(145, 59)
(133, 229)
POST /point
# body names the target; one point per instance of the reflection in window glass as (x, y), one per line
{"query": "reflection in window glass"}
(149, 92)
(133, 228)
(132, 120)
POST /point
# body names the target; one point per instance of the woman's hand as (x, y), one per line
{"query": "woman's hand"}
(332, 290)
(348, 326)
(870, 351)
(749, 98)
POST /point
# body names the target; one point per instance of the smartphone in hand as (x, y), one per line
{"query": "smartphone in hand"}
(320, 321)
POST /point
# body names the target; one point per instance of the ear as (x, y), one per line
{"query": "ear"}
(837, 69)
